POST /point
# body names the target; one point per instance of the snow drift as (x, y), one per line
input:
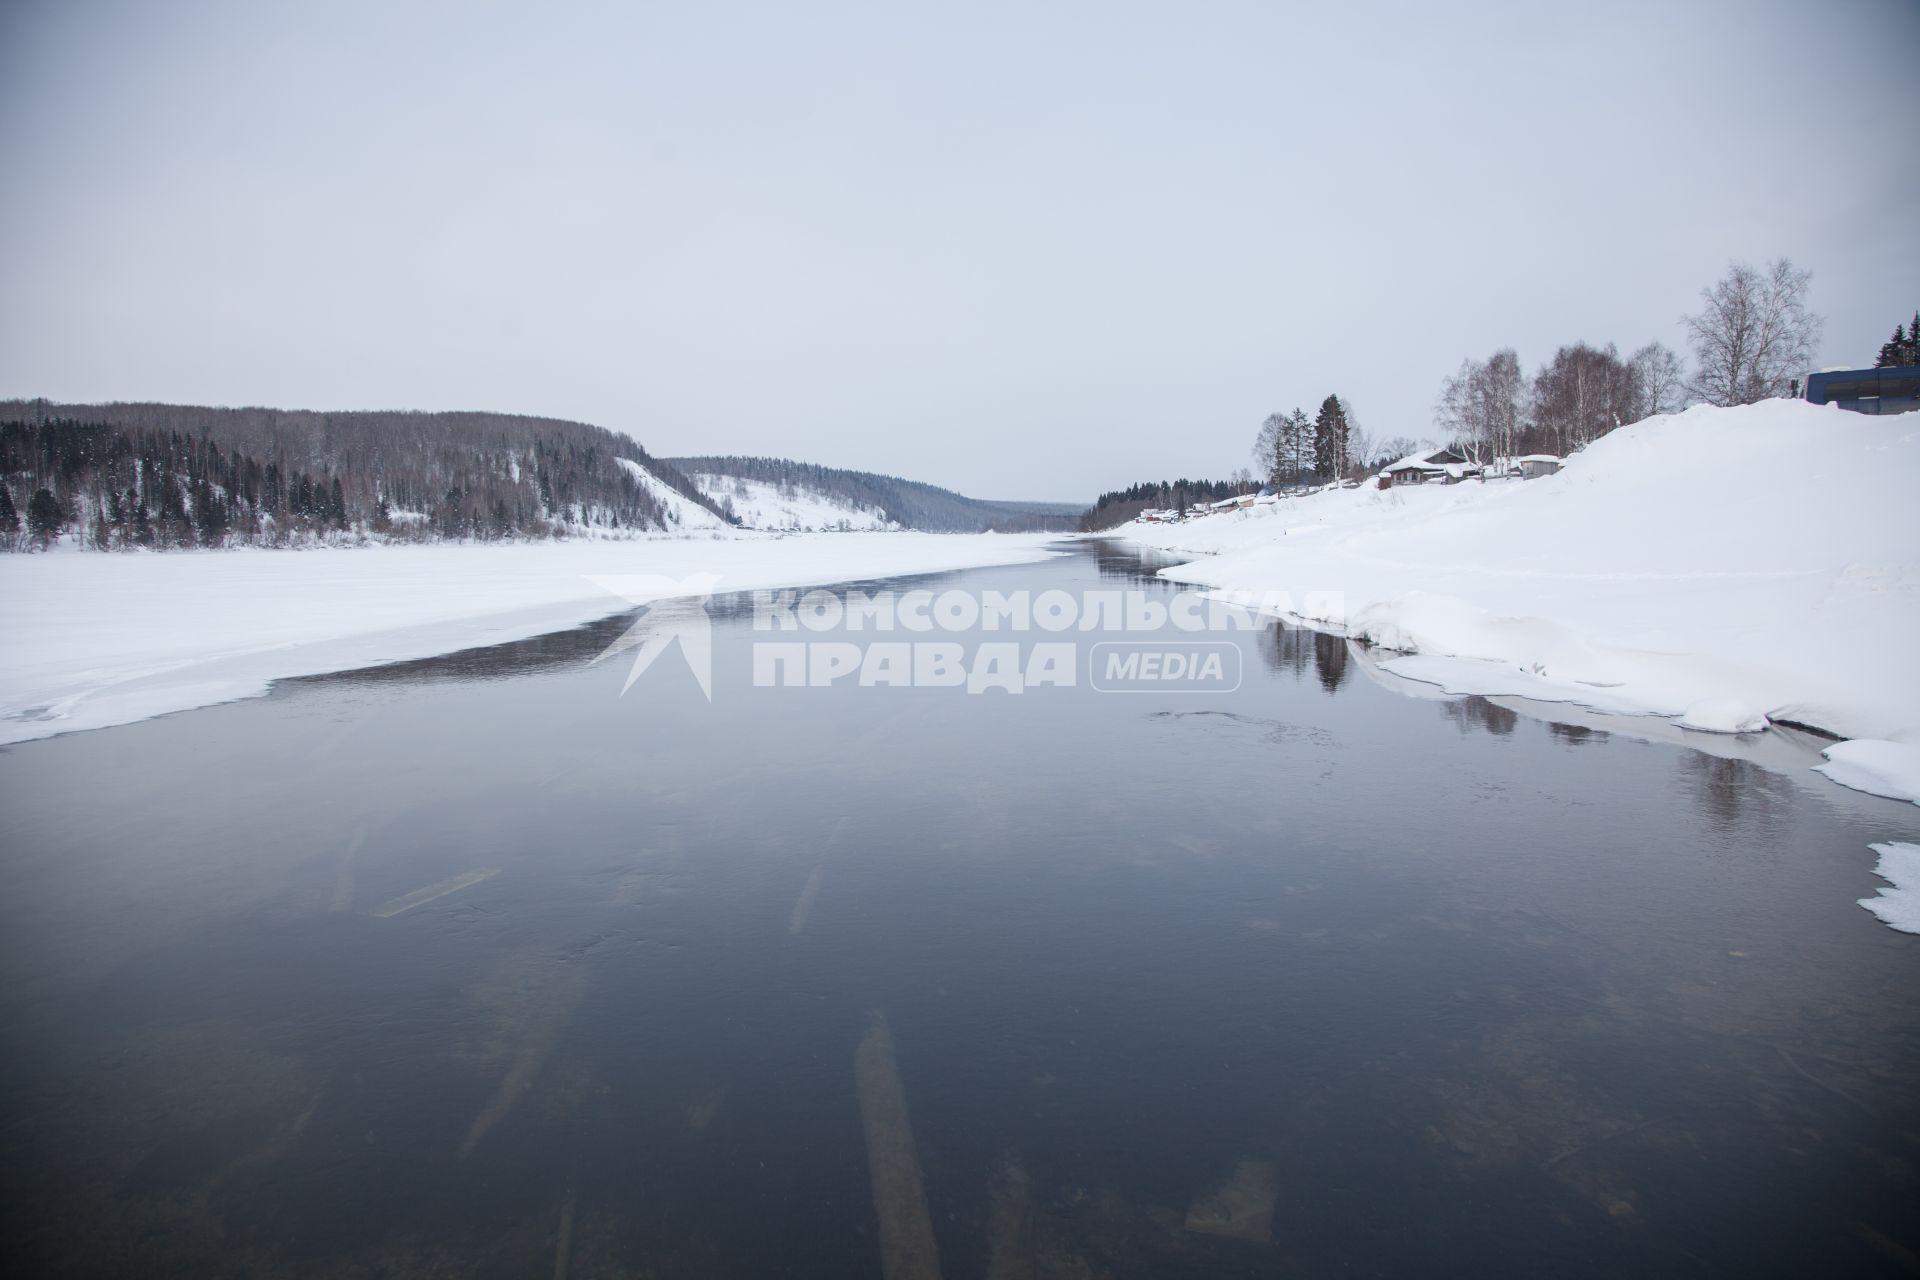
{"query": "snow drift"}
(1721, 566)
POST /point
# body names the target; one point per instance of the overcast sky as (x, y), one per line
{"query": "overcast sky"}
(1024, 250)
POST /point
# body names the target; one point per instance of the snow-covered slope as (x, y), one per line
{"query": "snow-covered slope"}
(682, 514)
(764, 506)
(1714, 565)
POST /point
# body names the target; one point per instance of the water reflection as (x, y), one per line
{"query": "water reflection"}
(1476, 712)
(582, 644)
(1731, 789)
(1128, 563)
(1292, 649)
(1330, 660)
(494, 662)
(1576, 735)
(1286, 648)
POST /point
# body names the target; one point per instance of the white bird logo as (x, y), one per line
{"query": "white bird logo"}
(675, 609)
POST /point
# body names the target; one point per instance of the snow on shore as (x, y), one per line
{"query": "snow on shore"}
(1898, 904)
(91, 640)
(1871, 765)
(1716, 565)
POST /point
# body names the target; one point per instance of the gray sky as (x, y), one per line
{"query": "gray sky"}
(1024, 250)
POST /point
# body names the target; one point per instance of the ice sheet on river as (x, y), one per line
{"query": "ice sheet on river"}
(93, 640)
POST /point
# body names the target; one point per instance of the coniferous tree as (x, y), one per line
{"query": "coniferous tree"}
(1330, 432)
(1903, 349)
(1890, 349)
(9, 515)
(45, 516)
(210, 514)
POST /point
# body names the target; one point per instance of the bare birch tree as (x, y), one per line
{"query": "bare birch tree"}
(1659, 380)
(1753, 336)
(1483, 406)
(1270, 448)
(1581, 394)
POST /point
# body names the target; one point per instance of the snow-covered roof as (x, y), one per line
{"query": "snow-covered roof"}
(1420, 460)
(1537, 457)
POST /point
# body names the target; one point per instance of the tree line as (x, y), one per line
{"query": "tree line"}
(1293, 449)
(172, 476)
(1117, 506)
(1752, 339)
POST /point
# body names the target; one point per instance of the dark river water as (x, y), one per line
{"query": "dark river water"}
(474, 966)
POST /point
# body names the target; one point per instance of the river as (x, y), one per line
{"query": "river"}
(477, 966)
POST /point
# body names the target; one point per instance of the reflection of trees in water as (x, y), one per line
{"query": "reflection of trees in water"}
(1729, 789)
(1576, 735)
(1290, 649)
(1330, 660)
(1478, 713)
(1286, 648)
(1129, 563)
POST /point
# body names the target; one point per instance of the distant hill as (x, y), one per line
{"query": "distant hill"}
(867, 499)
(182, 475)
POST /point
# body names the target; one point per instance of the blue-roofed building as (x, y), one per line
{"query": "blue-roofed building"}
(1894, 390)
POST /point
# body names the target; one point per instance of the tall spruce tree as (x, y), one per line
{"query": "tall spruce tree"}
(1903, 349)
(1330, 432)
(1892, 349)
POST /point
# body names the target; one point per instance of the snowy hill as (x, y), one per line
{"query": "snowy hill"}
(1716, 565)
(783, 490)
(759, 504)
(679, 512)
(174, 476)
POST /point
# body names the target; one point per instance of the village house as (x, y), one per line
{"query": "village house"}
(1430, 466)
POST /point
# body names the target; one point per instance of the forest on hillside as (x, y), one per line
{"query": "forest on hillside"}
(1117, 506)
(169, 476)
(908, 503)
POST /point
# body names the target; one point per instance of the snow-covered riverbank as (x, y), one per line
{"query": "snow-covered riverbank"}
(1715, 565)
(91, 639)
